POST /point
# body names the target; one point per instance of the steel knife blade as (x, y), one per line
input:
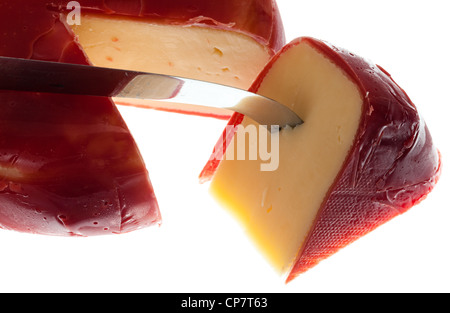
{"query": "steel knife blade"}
(63, 78)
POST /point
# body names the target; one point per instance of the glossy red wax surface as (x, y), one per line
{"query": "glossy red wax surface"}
(68, 164)
(392, 165)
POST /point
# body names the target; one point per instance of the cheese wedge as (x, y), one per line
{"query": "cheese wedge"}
(362, 157)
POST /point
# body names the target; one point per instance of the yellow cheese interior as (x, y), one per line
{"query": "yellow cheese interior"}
(225, 57)
(278, 208)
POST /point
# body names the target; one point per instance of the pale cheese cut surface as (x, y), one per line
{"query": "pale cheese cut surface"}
(278, 208)
(214, 55)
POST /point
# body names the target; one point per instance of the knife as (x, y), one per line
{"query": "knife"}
(63, 78)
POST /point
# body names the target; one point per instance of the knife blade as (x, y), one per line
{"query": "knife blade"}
(63, 78)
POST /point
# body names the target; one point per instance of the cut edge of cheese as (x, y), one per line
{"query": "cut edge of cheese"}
(216, 55)
(278, 208)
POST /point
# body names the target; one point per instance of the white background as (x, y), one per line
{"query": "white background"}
(200, 248)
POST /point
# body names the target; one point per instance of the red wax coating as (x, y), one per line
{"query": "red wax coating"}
(393, 163)
(68, 164)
